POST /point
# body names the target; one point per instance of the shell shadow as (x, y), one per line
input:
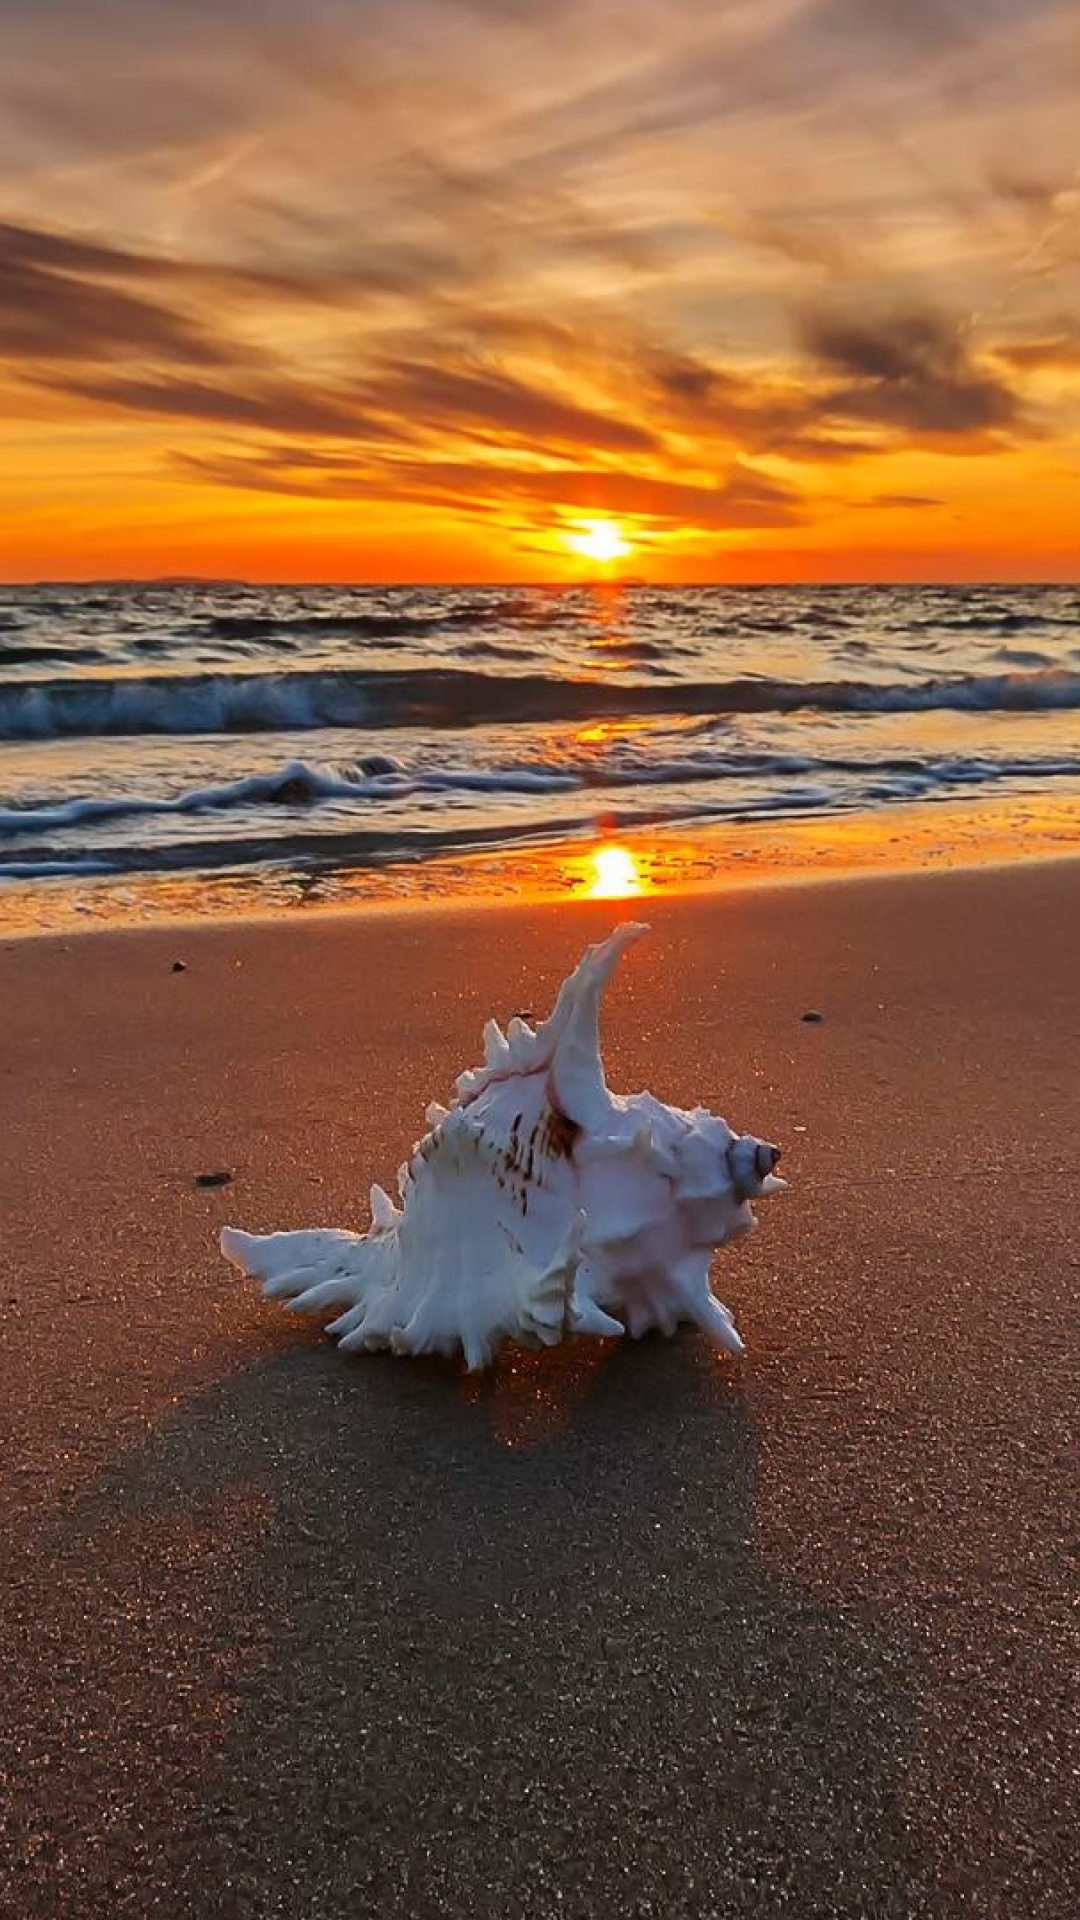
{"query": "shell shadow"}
(411, 1646)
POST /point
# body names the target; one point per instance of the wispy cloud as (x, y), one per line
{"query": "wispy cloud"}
(488, 400)
(270, 406)
(740, 498)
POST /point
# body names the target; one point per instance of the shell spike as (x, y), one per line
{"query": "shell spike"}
(587, 1318)
(384, 1214)
(239, 1247)
(712, 1318)
(520, 1035)
(577, 1075)
(477, 1353)
(696, 1301)
(496, 1046)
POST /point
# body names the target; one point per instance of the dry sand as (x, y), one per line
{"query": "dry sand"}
(610, 1632)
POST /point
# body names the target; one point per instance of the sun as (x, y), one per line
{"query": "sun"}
(599, 540)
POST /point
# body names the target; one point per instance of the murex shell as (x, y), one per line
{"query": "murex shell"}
(539, 1206)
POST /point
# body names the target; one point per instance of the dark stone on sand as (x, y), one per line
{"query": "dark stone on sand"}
(179, 966)
(813, 1017)
(220, 1178)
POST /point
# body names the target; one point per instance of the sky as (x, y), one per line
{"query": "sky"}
(429, 289)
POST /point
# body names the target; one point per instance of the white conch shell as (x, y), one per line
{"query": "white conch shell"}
(539, 1206)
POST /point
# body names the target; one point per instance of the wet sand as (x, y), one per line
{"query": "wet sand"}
(611, 1631)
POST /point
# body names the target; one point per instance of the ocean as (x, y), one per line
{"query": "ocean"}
(250, 743)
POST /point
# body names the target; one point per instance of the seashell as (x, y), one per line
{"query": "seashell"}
(539, 1206)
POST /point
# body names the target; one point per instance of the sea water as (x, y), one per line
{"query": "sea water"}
(279, 736)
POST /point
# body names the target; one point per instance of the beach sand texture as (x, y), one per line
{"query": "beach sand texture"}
(619, 1630)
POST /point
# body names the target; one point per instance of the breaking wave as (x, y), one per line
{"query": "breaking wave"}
(278, 815)
(453, 697)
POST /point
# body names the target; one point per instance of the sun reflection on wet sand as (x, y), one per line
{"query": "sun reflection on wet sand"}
(616, 875)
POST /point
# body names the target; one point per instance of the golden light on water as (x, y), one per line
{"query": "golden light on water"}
(599, 540)
(616, 874)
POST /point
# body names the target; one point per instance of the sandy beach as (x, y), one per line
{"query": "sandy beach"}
(616, 1630)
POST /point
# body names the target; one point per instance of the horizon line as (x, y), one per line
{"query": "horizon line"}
(635, 582)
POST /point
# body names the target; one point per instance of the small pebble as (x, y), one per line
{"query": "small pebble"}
(813, 1017)
(219, 1179)
(179, 966)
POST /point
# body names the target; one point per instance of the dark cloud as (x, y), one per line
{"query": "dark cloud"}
(48, 315)
(756, 412)
(36, 249)
(269, 406)
(1036, 198)
(467, 399)
(296, 472)
(381, 267)
(929, 26)
(66, 300)
(911, 371)
(1058, 350)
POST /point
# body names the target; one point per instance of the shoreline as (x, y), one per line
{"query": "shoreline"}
(664, 863)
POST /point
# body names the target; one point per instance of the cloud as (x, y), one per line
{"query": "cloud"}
(438, 254)
(930, 26)
(912, 371)
(391, 401)
(491, 399)
(272, 406)
(754, 409)
(1056, 351)
(50, 311)
(903, 500)
(377, 267)
(743, 497)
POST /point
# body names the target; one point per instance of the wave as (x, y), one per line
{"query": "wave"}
(489, 650)
(298, 784)
(359, 847)
(346, 844)
(993, 620)
(372, 625)
(745, 783)
(457, 697)
(39, 653)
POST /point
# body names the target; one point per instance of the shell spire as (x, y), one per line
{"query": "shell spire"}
(577, 1071)
(537, 1208)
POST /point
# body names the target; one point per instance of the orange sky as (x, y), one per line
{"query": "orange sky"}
(782, 289)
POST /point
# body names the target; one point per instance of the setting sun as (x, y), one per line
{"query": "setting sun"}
(599, 540)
